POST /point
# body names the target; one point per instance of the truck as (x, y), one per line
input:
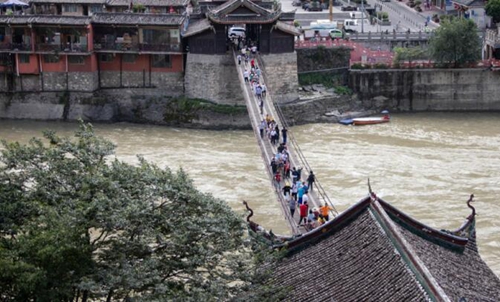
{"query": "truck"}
(321, 28)
(358, 25)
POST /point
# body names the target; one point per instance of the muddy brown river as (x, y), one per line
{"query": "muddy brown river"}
(424, 164)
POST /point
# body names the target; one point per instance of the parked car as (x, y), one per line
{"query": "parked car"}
(235, 32)
(314, 6)
(297, 3)
(349, 8)
(336, 34)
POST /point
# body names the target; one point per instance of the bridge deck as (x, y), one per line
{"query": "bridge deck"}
(268, 151)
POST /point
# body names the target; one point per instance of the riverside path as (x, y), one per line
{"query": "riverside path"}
(317, 197)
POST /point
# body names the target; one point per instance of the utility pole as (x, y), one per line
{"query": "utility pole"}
(363, 16)
(330, 10)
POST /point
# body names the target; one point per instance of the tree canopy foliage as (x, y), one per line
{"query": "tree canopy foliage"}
(77, 225)
(456, 41)
(410, 54)
(492, 9)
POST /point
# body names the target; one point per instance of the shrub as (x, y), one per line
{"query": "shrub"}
(343, 90)
(380, 66)
(359, 66)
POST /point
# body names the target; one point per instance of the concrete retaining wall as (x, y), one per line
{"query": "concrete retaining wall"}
(213, 78)
(117, 105)
(429, 89)
(167, 83)
(281, 76)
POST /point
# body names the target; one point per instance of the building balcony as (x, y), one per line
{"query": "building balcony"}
(492, 38)
(137, 47)
(68, 47)
(15, 47)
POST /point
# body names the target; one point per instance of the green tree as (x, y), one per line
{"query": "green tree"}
(410, 54)
(456, 41)
(78, 225)
(492, 9)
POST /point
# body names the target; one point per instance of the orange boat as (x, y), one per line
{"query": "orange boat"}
(370, 120)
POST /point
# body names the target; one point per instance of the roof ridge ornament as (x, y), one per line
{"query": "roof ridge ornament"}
(372, 194)
(473, 214)
(468, 228)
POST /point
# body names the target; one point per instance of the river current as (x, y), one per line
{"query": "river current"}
(425, 164)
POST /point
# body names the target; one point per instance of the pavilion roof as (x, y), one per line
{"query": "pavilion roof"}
(373, 251)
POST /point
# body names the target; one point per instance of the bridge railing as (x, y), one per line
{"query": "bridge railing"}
(324, 199)
(253, 112)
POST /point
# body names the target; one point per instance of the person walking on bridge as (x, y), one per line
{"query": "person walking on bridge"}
(325, 210)
(303, 212)
(262, 126)
(293, 205)
(284, 133)
(310, 180)
(245, 75)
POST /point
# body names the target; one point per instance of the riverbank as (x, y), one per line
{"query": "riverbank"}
(134, 106)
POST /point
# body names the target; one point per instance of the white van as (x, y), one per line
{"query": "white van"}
(354, 25)
(357, 15)
(235, 32)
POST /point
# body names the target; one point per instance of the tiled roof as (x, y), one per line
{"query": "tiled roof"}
(222, 14)
(68, 1)
(354, 261)
(157, 3)
(45, 19)
(197, 27)
(470, 3)
(374, 252)
(288, 28)
(461, 274)
(137, 19)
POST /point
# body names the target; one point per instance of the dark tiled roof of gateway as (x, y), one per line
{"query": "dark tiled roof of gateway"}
(357, 262)
(137, 19)
(222, 13)
(288, 28)
(460, 274)
(197, 27)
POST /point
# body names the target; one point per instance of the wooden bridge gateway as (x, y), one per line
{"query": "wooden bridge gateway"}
(318, 196)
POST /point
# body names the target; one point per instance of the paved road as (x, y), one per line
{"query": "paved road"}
(402, 17)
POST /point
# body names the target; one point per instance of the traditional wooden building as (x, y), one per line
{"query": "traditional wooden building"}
(375, 252)
(77, 45)
(137, 50)
(264, 27)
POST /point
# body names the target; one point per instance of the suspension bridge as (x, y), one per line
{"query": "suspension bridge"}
(318, 196)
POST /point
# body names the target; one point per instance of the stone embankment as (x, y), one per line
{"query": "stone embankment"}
(126, 105)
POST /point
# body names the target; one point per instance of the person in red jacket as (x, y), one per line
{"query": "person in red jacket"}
(303, 212)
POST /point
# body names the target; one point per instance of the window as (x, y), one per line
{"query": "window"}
(106, 57)
(154, 36)
(162, 61)
(51, 59)
(96, 8)
(70, 8)
(129, 58)
(24, 58)
(80, 60)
